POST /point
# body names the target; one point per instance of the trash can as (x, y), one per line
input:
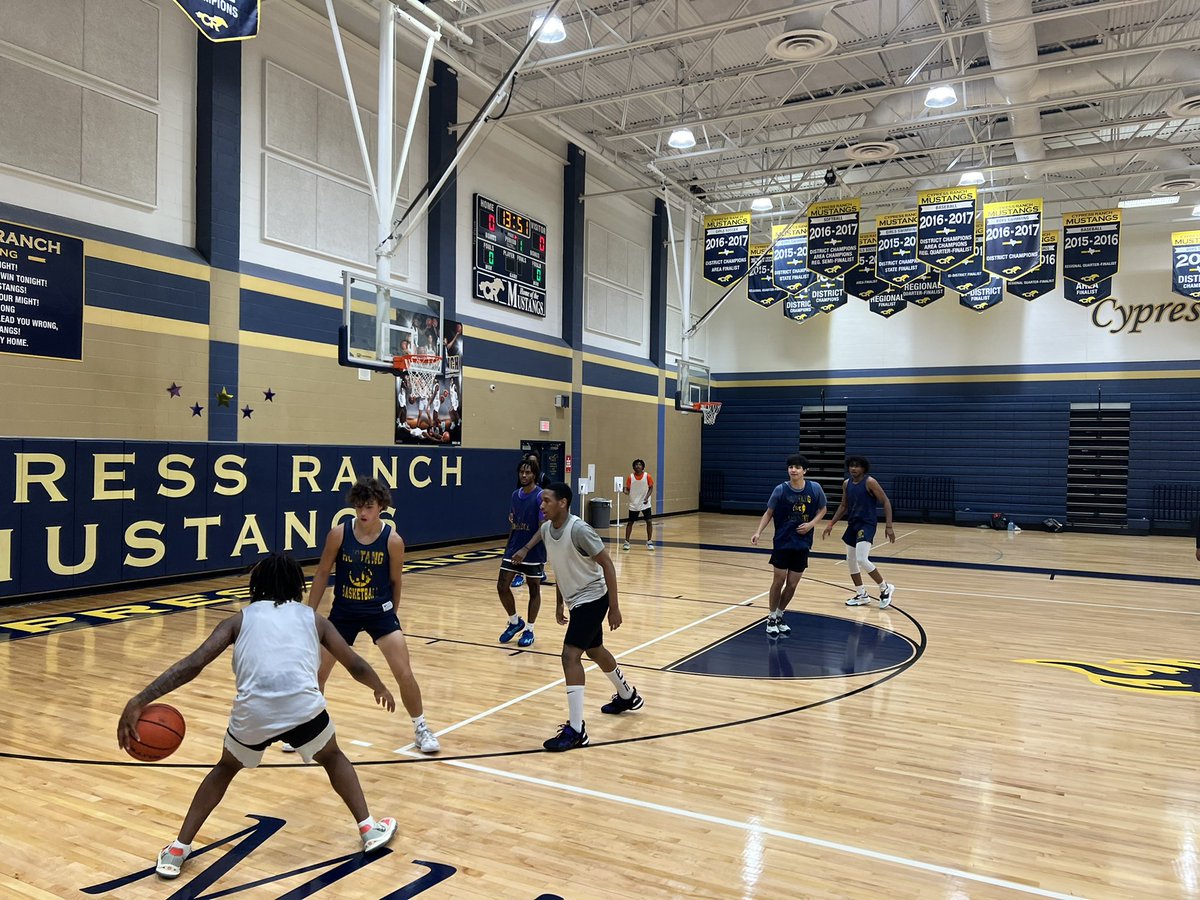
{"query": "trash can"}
(599, 512)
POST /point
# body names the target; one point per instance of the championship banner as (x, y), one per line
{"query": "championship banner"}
(984, 297)
(1042, 279)
(1185, 263)
(826, 295)
(833, 237)
(896, 242)
(861, 281)
(726, 247)
(922, 291)
(799, 307)
(887, 305)
(1012, 237)
(946, 226)
(1087, 294)
(759, 286)
(1091, 248)
(223, 20)
(788, 269)
(965, 277)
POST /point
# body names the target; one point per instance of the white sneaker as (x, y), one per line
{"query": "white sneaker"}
(379, 835)
(650, 545)
(885, 595)
(287, 748)
(170, 861)
(426, 740)
(625, 546)
(859, 600)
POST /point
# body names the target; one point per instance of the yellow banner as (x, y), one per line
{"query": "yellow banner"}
(1049, 237)
(1094, 217)
(796, 229)
(834, 207)
(895, 220)
(1012, 208)
(726, 220)
(1185, 238)
(868, 239)
(946, 195)
(757, 250)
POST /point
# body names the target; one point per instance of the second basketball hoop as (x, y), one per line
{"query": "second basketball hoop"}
(709, 410)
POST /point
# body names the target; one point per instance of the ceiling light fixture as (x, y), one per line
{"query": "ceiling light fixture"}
(973, 178)
(940, 96)
(1149, 201)
(682, 138)
(554, 32)
(762, 204)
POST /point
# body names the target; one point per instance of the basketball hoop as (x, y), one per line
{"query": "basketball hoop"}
(422, 370)
(710, 411)
(453, 365)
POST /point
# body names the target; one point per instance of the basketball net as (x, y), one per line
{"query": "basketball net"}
(709, 411)
(422, 372)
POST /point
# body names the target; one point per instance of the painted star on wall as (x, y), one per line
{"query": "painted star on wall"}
(196, 409)
(224, 397)
(247, 412)
(174, 389)
(269, 395)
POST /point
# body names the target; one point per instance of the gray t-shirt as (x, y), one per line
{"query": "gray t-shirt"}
(570, 550)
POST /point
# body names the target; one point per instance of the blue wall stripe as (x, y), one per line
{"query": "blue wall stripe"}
(506, 358)
(597, 375)
(269, 314)
(222, 373)
(37, 219)
(114, 285)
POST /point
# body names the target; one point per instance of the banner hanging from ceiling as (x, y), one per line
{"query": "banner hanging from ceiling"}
(1185, 263)
(223, 20)
(833, 237)
(946, 227)
(1012, 237)
(896, 248)
(760, 287)
(788, 267)
(1091, 248)
(1042, 279)
(726, 247)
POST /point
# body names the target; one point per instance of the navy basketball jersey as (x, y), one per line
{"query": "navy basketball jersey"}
(860, 504)
(364, 580)
(526, 512)
(790, 508)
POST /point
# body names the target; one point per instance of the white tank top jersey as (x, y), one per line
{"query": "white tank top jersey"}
(639, 491)
(275, 659)
(580, 578)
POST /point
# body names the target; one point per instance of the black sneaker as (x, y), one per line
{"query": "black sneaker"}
(784, 627)
(617, 705)
(567, 738)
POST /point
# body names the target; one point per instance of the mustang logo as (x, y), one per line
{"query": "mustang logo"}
(944, 261)
(1153, 676)
(867, 294)
(1095, 276)
(836, 268)
(1012, 270)
(887, 312)
(966, 286)
(981, 305)
(1030, 295)
(216, 23)
(900, 279)
(724, 278)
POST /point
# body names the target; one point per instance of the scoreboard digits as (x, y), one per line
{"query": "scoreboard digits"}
(510, 258)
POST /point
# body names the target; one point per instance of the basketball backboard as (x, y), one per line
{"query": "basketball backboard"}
(382, 321)
(695, 382)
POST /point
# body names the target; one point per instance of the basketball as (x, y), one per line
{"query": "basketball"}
(160, 731)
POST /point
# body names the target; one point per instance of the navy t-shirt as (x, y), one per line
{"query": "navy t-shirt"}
(789, 508)
(526, 512)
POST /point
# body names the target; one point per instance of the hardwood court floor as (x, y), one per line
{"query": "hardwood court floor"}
(961, 772)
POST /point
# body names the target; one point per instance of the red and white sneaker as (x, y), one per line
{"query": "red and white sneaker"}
(171, 860)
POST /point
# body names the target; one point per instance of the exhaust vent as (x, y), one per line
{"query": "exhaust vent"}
(872, 151)
(1173, 185)
(802, 44)
(1185, 108)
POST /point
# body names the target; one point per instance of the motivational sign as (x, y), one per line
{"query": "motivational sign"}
(41, 293)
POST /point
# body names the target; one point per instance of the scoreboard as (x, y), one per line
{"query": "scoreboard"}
(510, 258)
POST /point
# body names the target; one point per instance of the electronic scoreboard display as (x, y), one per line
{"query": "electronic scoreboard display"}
(510, 258)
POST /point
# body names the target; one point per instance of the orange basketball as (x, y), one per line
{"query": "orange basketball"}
(160, 731)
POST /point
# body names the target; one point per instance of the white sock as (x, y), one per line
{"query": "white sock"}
(186, 848)
(529, 627)
(366, 824)
(419, 722)
(514, 619)
(862, 590)
(575, 705)
(624, 691)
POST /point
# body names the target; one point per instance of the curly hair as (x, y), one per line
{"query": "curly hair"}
(278, 578)
(367, 489)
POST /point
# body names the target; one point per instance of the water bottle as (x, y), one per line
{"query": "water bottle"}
(1012, 526)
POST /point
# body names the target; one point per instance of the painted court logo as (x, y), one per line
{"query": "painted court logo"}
(1153, 676)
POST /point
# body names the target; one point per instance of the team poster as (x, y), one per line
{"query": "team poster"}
(946, 226)
(433, 414)
(833, 237)
(1012, 239)
(1091, 250)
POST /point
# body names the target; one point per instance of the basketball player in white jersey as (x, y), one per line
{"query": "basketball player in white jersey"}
(274, 644)
(587, 586)
(639, 487)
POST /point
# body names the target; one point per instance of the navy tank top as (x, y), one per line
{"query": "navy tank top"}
(860, 505)
(364, 582)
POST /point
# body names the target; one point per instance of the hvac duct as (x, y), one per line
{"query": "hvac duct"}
(804, 36)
